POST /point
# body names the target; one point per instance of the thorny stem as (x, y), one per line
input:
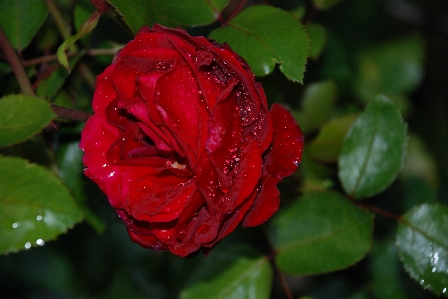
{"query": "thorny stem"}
(14, 62)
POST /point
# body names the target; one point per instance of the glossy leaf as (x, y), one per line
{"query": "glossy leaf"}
(321, 232)
(21, 20)
(374, 150)
(169, 13)
(318, 39)
(265, 35)
(231, 276)
(327, 146)
(34, 205)
(423, 246)
(318, 103)
(21, 117)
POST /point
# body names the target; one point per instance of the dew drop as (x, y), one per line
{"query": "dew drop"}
(444, 290)
(40, 242)
(97, 143)
(204, 228)
(27, 245)
(144, 186)
(16, 224)
(166, 235)
(39, 217)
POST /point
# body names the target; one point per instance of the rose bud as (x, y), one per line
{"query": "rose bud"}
(183, 144)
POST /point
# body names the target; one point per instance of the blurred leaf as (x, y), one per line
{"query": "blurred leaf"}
(34, 150)
(34, 205)
(231, 275)
(419, 162)
(49, 86)
(385, 271)
(327, 146)
(317, 176)
(325, 4)
(171, 13)
(318, 39)
(21, 117)
(265, 35)
(21, 20)
(422, 241)
(85, 29)
(374, 150)
(390, 68)
(70, 168)
(318, 103)
(320, 232)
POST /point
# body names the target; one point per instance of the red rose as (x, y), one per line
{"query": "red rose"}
(183, 144)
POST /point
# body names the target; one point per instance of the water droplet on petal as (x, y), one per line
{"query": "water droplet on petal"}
(144, 186)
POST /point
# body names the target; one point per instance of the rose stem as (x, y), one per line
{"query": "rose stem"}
(14, 62)
(84, 70)
(25, 85)
(379, 211)
(280, 274)
(71, 114)
(234, 12)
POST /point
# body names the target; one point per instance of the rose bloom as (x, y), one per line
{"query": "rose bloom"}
(183, 144)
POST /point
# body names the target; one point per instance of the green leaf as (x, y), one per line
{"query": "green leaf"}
(21, 20)
(327, 146)
(21, 117)
(318, 39)
(70, 170)
(321, 232)
(385, 271)
(265, 35)
(423, 246)
(34, 205)
(169, 13)
(390, 68)
(231, 275)
(318, 103)
(374, 150)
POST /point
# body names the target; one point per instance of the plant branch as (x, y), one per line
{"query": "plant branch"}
(379, 211)
(59, 20)
(14, 62)
(71, 114)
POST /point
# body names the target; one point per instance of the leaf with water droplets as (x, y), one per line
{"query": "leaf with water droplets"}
(422, 241)
(265, 35)
(34, 205)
